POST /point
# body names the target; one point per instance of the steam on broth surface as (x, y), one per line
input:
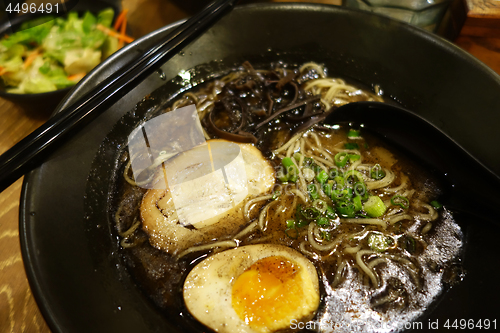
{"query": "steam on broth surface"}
(360, 212)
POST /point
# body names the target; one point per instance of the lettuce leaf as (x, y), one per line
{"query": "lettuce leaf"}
(28, 36)
(105, 17)
(81, 60)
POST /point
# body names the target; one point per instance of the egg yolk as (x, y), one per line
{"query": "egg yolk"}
(268, 292)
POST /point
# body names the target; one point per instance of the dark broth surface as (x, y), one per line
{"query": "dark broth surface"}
(364, 288)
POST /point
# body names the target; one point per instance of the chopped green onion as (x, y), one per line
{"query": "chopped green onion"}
(325, 235)
(300, 220)
(320, 205)
(308, 161)
(357, 203)
(341, 195)
(339, 182)
(377, 172)
(290, 224)
(354, 174)
(327, 187)
(292, 233)
(322, 176)
(351, 145)
(292, 177)
(297, 156)
(322, 221)
(345, 209)
(308, 174)
(316, 169)
(354, 157)
(283, 179)
(291, 169)
(360, 189)
(310, 213)
(436, 204)
(330, 212)
(341, 159)
(293, 174)
(374, 206)
(408, 243)
(276, 195)
(301, 223)
(281, 176)
(313, 191)
(379, 242)
(400, 201)
(353, 133)
(333, 173)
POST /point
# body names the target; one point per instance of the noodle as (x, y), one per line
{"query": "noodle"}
(352, 249)
(355, 165)
(315, 159)
(368, 271)
(223, 244)
(303, 249)
(386, 181)
(249, 229)
(316, 139)
(338, 274)
(246, 208)
(431, 216)
(131, 230)
(426, 228)
(314, 66)
(263, 214)
(404, 180)
(126, 245)
(379, 222)
(289, 143)
(325, 162)
(292, 148)
(126, 172)
(399, 217)
(301, 177)
(316, 245)
(299, 194)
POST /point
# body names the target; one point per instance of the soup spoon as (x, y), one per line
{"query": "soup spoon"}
(469, 187)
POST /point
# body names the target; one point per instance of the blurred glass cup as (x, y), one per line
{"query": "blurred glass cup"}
(426, 14)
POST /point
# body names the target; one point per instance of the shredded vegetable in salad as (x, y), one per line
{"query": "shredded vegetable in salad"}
(58, 53)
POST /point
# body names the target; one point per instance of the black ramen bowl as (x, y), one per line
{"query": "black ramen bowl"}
(45, 103)
(70, 247)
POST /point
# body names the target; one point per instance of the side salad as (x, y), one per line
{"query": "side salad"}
(58, 53)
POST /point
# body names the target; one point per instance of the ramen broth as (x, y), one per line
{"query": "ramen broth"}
(361, 211)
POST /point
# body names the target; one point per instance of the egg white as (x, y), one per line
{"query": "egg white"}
(208, 287)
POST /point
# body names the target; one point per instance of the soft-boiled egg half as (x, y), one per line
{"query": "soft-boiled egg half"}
(253, 288)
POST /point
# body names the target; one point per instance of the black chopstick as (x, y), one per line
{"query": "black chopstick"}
(31, 151)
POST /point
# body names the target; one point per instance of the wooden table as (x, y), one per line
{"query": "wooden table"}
(18, 310)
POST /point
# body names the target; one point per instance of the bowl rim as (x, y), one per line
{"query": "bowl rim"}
(30, 181)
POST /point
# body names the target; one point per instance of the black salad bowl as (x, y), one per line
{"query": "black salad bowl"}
(43, 104)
